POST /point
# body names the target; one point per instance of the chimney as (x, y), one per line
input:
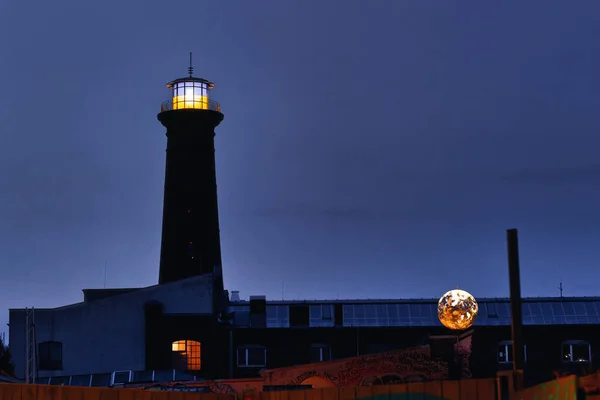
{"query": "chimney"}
(235, 295)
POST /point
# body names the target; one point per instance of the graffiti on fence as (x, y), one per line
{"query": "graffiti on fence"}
(243, 387)
(220, 387)
(392, 367)
(400, 366)
(562, 388)
(317, 379)
(391, 379)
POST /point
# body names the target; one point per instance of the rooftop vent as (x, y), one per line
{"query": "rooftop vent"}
(235, 295)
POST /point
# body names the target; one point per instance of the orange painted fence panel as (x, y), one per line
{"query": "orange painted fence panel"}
(475, 389)
(590, 384)
(11, 391)
(472, 389)
(563, 388)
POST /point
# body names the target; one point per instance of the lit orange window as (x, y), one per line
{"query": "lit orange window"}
(188, 352)
(179, 345)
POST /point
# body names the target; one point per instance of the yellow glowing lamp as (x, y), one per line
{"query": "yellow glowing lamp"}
(457, 310)
(191, 93)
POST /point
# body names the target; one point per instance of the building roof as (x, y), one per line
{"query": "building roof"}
(423, 312)
(416, 300)
(94, 295)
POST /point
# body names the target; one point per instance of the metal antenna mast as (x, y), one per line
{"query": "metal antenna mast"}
(30, 347)
(191, 68)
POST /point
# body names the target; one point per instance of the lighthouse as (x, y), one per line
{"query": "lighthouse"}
(190, 244)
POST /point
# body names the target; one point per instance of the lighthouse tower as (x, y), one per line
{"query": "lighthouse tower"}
(190, 244)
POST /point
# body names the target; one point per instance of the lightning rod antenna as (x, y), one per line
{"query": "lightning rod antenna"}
(191, 68)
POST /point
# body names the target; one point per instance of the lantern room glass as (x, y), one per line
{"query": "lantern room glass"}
(190, 95)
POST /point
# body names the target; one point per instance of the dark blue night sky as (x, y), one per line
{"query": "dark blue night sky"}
(370, 149)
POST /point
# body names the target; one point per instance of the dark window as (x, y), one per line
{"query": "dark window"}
(576, 351)
(505, 352)
(103, 380)
(327, 311)
(319, 353)
(338, 314)
(278, 316)
(252, 356)
(299, 315)
(321, 315)
(50, 356)
(258, 305)
(491, 310)
(59, 380)
(256, 356)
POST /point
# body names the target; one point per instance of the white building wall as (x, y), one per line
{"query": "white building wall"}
(108, 334)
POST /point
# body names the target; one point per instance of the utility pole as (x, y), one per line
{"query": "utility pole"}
(30, 347)
(512, 241)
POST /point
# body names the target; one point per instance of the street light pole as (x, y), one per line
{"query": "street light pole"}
(512, 241)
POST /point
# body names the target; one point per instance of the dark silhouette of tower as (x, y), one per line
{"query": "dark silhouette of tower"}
(190, 243)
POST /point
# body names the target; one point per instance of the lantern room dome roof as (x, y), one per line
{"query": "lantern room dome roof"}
(208, 84)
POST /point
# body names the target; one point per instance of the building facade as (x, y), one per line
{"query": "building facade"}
(561, 335)
(107, 331)
(175, 327)
(188, 323)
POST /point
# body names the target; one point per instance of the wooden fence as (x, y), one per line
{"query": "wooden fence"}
(473, 389)
(11, 391)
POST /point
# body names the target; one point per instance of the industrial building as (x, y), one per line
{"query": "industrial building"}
(189, 327)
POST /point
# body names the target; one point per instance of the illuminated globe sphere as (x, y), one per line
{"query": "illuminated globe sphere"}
(457, 310)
